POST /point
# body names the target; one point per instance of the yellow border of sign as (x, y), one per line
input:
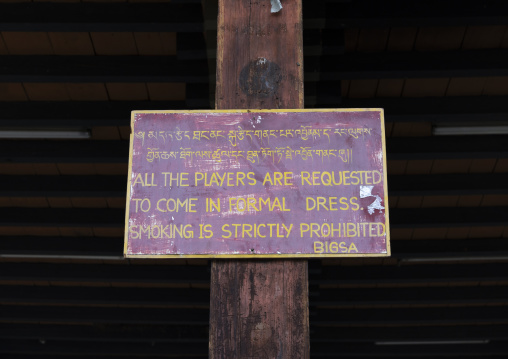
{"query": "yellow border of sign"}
(261, 256)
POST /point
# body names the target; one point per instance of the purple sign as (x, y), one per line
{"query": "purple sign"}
(286, 183)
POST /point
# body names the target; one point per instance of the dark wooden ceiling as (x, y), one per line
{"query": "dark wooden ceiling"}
(67, 292)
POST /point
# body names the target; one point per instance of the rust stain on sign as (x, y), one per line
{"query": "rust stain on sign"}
(299, 183)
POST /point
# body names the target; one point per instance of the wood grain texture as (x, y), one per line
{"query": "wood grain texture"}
(259, 308)
(253, 43)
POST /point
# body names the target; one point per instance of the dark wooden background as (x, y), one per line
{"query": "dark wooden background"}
(66, 291)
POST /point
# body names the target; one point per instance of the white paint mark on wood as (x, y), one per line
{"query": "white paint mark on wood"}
(261, 61)
(276, 6)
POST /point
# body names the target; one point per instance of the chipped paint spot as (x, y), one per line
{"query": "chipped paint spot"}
(379, 157)
(238, 209)
(255, 121)
(261, 61)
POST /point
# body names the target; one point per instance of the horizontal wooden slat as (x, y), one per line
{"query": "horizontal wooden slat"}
(448, 184)
(204, 355)
(447, 147)
(93, 296)
(87, 69)
(187, 17)
(173, 350)
(426, 333)
(485, 110)
(104, 17)
(393, 297)
(410, 316)
(324, 354)
(62, 217)
(91, 247)
(167, 333)
(410, 351)
(64, 151)
(361, 316)
(67, 114)
(412, 274)
(113, 333)
(448, 217)
(60, 314)
(387, 65)
(333, 275)
(483, 248)
(176, 349)
(400, 13)
(332, 354)
(326, 68)
(26, 247)
(437, 110)
(447, 110)
(66, 186)
(100, 273)
(185, 297)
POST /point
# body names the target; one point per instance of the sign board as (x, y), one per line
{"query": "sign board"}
(243, 183)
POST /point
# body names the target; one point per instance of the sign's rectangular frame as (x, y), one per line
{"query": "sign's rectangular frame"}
(256, 255)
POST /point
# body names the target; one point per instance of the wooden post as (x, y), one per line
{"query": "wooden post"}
(259, 308)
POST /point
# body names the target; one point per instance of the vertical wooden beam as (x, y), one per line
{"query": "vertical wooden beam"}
(259, 308)
(259, 55)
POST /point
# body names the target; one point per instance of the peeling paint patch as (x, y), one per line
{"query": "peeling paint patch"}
(366, 191)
